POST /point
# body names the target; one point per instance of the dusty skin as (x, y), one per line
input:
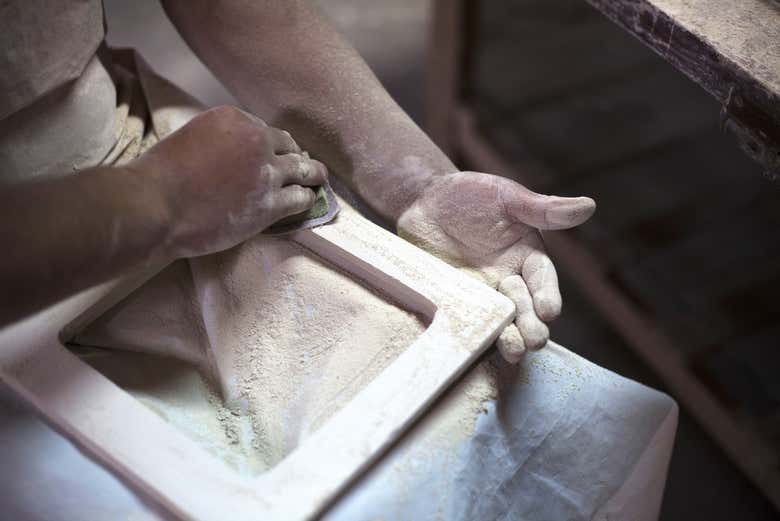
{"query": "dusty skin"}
(487, 225)
(286, 65)
(484, 224)
(179, 199)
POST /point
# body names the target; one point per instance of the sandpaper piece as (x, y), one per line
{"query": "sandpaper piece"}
(324, 210)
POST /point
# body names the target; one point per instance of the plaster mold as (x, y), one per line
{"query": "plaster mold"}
(462, 316)
(296, 338)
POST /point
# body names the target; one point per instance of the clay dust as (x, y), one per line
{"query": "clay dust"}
(292, 339)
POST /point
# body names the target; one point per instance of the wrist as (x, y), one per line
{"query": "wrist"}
(150, 210)
(392, 191)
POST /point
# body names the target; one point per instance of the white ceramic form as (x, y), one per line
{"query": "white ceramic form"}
(169, 469)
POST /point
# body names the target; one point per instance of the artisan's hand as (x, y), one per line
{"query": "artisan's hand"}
(226, 176)
(488, 225)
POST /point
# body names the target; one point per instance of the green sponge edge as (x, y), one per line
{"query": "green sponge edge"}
(324, 210)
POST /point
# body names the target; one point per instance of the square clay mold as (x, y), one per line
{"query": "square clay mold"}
(166, 467)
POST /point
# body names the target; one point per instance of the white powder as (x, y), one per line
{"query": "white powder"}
(294, 338)
(291, 339)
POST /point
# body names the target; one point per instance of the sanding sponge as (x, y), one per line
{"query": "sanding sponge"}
(324, 210)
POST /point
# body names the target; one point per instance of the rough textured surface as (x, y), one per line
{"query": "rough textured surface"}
(745, 32)
(732, 49)
(301, 337)
(465, 317)
(450, 467)
(523, 458)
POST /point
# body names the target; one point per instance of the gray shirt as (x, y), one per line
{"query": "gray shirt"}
(57, 98)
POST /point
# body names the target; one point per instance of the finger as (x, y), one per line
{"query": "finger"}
(542, 281)
(510, 344)
(282, 142)
(254, 118)
(534, 332)
(298, 169)
(294, 199)
(547, 212)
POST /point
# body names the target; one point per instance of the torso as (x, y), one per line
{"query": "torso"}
(69, 129)
(58, 108)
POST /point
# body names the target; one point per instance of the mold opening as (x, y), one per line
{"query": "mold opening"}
(250, 351)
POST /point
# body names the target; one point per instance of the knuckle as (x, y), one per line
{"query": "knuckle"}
(282, 136)
(269, 173)
(285, 166)
(265, 132)
(511, 284)
(291, 140)
(226, 112)
(227, 119)
(256, 136)
(303, 167)
(259, 138)
(320, 169)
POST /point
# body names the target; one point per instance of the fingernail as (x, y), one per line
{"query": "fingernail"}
(568, 212)
(547, 308)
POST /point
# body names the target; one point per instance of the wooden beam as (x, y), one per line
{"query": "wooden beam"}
(730, 48)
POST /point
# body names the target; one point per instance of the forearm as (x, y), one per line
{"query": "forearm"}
(286, 64)
(67, 234)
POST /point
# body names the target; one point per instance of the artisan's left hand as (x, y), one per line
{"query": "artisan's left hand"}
(489, 226)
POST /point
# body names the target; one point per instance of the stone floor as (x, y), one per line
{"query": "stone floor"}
(702, 484)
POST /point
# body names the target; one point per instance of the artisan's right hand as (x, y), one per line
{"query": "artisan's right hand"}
(224, 177)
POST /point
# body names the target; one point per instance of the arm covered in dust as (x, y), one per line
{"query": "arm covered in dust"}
(285, 63)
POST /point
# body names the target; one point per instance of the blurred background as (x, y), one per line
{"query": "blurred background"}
(686, 230)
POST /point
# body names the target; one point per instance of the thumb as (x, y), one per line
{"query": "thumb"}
(549, 212)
